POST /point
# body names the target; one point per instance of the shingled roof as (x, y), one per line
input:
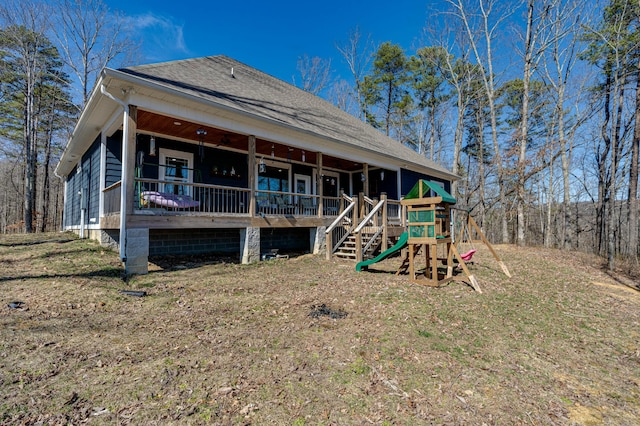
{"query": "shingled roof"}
(236, 86)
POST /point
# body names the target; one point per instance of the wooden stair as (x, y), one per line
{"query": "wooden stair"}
(349, 249)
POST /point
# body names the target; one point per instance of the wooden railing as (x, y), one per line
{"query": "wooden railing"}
(342, 227)
(151, 195)
(373, 225)
(368, 221)
(112, 199)
(197, 198)
(394, 213)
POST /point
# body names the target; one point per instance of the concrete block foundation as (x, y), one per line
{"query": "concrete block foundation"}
(250, 245)
(137, 251)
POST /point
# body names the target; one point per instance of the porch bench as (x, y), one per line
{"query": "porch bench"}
(167, 200)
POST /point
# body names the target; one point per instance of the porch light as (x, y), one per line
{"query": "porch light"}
(201, 134)
(381, 174)
(304, 157)
(262, 168)
(152, 146)
(273, 152)
(289, 155)
(362, 177)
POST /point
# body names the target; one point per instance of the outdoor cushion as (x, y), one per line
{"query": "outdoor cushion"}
(168, 200)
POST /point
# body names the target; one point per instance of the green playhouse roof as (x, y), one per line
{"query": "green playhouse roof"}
(426, 186)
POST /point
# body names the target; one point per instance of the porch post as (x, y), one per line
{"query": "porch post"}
(252, 175)
(385, 222)
(320, 186)
(129, 160)
(365, 184)
(135, 257)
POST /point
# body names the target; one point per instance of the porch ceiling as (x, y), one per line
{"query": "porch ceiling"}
(159, 124)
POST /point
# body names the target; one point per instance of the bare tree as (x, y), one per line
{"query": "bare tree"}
(481, 24)
(315, 73)
(537, 39)
(358, 54)
(632, 199)
(613, 49)
(24, 47)
(90, 36)
(559, 64)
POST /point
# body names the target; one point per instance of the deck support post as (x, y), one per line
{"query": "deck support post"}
(318, 238)
(250, 245)
(137, 251)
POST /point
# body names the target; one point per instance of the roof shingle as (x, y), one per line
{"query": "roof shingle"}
(234, 85)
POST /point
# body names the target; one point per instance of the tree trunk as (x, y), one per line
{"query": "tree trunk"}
(30, 152)
(457, 141)
(564, 158)
(547, 229)
(611, 185)
(46, 184)
(524, 126)
(633, 180)
(601, 158)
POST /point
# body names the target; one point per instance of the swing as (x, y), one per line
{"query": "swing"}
(466, 235)
(468, 255)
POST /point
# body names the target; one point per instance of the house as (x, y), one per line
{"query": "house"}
(211, 155)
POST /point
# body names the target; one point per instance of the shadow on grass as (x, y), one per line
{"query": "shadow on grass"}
(61, 240)
(101, 273)
(74, 251)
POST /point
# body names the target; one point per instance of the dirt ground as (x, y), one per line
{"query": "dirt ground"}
(305, 341)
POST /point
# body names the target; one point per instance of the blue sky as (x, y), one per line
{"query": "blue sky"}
(268, 35)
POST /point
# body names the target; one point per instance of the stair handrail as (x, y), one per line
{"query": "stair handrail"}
(339, 219)
(368, 217)
(372, 239)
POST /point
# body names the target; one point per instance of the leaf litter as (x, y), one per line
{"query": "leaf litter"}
(222, 343)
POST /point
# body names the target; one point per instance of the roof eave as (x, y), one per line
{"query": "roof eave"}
(84, 131)
(124, 76)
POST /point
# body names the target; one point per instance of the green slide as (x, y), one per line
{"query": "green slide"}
(402, 243)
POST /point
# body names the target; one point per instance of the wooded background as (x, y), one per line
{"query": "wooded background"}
(535, 104)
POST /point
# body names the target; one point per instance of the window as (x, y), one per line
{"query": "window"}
(274, 178)
(176, 166)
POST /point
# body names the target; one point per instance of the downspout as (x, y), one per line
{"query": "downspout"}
(124, 181)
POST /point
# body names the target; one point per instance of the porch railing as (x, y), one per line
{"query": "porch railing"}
(290, 203)
(394, 212)
(342, 226)
(112, 198)
(373, 226)
(152, 195)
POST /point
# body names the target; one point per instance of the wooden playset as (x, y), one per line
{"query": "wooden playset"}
(429, 230)
(465, 235)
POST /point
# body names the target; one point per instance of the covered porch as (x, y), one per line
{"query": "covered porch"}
(175, 167)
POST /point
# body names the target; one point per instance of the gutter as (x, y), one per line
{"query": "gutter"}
(124, 181)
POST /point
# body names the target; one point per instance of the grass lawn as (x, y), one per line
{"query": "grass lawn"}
(215, 342)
